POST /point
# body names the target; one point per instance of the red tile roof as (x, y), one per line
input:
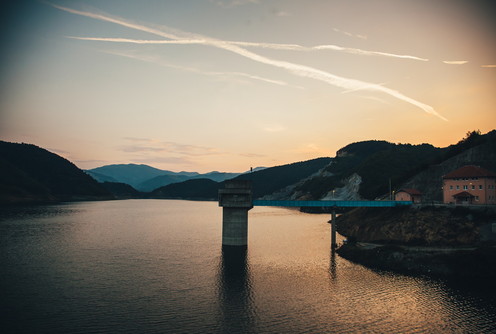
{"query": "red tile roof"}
(463, 194)
(469, 171)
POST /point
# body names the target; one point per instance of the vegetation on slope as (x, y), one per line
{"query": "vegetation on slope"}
(265, 181)
(122, 190)
(415, 226)
(377, 162)
(32, 174)
(270, 180)
(195, 189)
(29, 173)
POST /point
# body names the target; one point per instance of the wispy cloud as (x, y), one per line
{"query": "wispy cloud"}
(252, 155)
(349, 34)
(490, 66)
(143, 145)
(154, 151)
(455, 62)
(158, 61)
(137, 139)
(164, 160)
(296, 69)
(234, 3)
(88, 164)
(281, 13)
(374, 98)
(273, 46)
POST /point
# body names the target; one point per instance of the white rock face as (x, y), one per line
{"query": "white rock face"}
(347, 193)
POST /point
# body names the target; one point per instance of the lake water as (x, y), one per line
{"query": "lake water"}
(157, 266)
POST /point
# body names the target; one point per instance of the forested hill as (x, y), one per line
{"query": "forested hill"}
(362, 170)
(270, 180)
(375, 162)
(265, 181)
(31, 174)
(379, 164)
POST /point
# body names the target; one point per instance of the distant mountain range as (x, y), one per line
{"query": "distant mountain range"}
(265, 181)
(362, 170)
(145, 178)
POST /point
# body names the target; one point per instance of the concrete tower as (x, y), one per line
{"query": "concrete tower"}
(235, 200)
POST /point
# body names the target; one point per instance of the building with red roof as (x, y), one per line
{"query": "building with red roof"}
(412, 195)
(470, 185)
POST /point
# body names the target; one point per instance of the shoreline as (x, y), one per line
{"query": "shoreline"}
(475, 262)
(432, 241)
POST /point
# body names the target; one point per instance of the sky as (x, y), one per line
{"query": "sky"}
(225, 85)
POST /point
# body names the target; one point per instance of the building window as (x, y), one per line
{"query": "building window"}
(476, 198)
(473, 187)
(451, 187)
(480, 186)
(465, 187)
(457, 187)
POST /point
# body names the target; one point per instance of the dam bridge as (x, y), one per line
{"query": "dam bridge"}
(236, 200)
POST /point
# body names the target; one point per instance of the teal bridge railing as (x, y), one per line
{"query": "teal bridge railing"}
(332, 204)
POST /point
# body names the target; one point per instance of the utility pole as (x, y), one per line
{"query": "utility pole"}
(390, 193)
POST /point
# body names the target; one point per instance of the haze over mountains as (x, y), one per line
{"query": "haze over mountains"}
(146, 178)
(362, 170)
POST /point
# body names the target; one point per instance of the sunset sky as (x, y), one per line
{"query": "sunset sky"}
(231, 84)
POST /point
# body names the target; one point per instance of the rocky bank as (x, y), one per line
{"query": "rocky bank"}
(435, 241)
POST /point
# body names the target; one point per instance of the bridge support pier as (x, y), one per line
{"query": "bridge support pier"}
(235, 200)
(333, 230)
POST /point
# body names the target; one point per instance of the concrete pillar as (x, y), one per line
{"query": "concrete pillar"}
(333, 230)
(235, 200)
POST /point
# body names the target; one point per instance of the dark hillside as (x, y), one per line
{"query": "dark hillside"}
(395, 164)
(363, 149)
(270, 180)
(122, 190)
(32, 174)
(195, 189)
(376, 162)
(471, 140)
(161, 181)
(480, 152)
(265, 181)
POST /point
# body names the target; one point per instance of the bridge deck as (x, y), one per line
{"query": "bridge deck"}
(331, 204)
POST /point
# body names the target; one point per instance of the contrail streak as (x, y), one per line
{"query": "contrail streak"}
(194, 70)
(274, 46)
(455, 62)
(299, 70)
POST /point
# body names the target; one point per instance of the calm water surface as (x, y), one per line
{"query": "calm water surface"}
(152, 266)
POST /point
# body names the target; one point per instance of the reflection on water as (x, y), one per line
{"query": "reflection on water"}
(150, 266)
(235, 298)
(333, 265)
